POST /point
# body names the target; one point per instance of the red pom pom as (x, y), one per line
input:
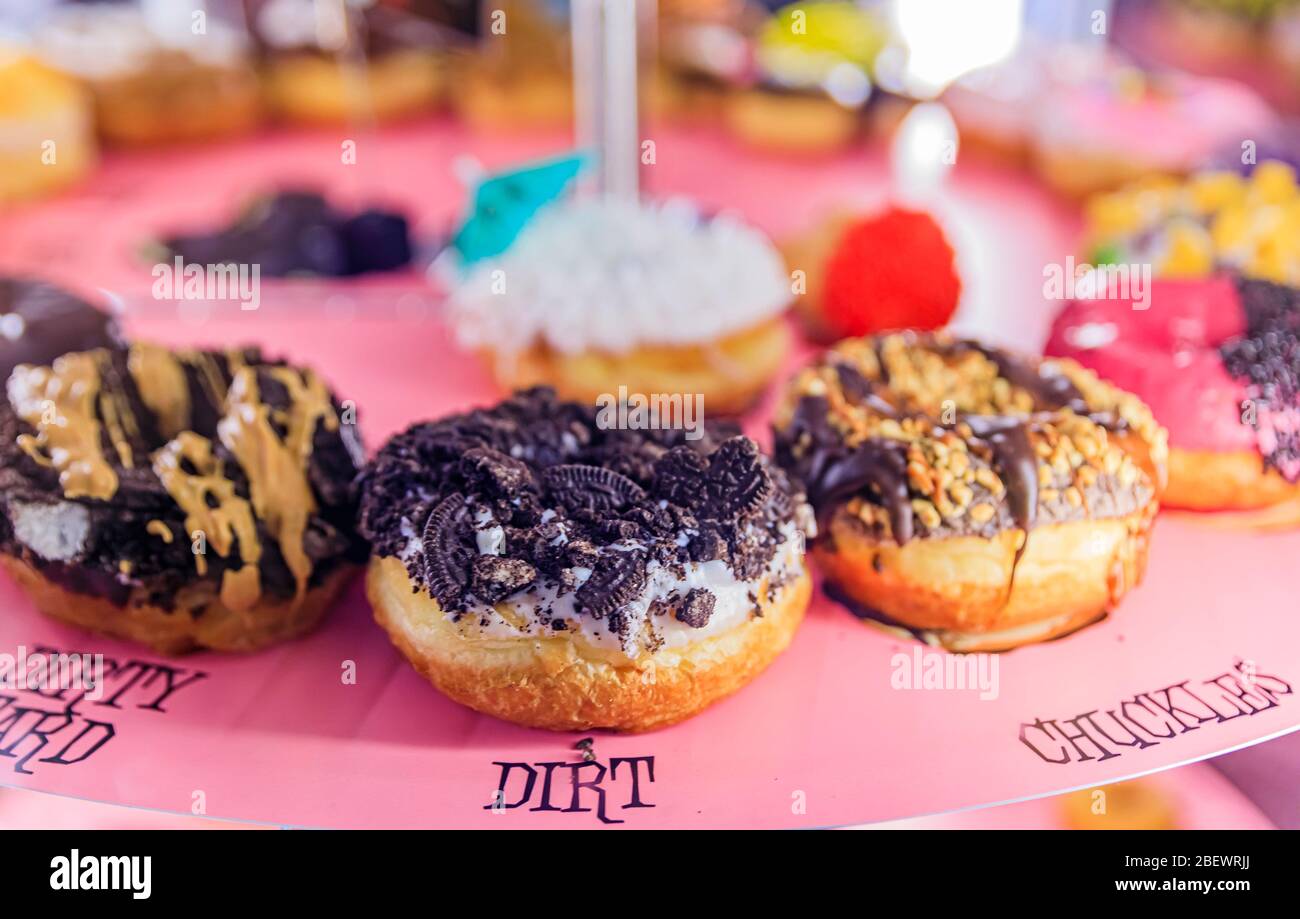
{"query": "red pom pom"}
(891, 271)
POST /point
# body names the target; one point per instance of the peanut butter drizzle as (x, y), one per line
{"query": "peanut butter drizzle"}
(117, 418)
(231, 517)
(161, 530)
(275, 467)
(59, 402)
(159, 376)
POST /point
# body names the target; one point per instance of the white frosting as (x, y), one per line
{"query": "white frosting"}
(647, 632)
(608, 275)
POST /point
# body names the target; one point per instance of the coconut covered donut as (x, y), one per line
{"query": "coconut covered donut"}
(540, 568)
(977, 499)
(654, 297)
(182, 499)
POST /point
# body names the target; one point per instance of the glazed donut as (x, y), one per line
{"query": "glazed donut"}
(655, 297)
(537, 566)
(181, 499)
(1209, 356)
(978, 499)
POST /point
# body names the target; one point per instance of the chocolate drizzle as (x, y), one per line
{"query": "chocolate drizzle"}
(1015, 459)
(845, 434)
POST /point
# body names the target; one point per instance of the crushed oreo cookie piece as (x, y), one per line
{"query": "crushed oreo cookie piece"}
(697, 609)
(679, 477)
(446, 553)
(499, 473)
(593, 488)
(496, 578)
(615, 582)
(1267, 360)
(737, 481)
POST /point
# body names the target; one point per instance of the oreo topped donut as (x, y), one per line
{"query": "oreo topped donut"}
(978, 498)
(545, 569)
(182, 499)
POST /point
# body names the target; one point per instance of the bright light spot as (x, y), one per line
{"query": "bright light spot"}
(948, 38)
(924, 149)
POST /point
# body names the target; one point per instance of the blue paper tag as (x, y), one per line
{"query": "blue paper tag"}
(505, 202)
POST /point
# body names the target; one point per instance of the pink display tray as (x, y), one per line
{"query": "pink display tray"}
(1199, 660)
(823, 738)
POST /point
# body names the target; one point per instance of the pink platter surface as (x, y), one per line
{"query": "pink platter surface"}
(1199, 660)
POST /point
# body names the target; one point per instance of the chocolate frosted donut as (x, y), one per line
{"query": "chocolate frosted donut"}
(979, 499)
(182, 499)
(39, 321)
(542, 569)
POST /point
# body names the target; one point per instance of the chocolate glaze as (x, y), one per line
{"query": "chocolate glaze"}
(39, 321)
(814, 450)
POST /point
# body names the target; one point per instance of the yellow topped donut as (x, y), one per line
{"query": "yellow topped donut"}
(1214, 220)
(46, 139)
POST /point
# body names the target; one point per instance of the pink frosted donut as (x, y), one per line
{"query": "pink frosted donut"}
(1119, 125)
(1171, 124)
(1183, 357)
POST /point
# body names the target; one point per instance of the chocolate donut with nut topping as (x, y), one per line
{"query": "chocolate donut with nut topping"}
(976, 498)
(183, 499)
(540, 567)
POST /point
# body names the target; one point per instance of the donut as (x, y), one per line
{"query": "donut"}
(598, 294)
(47, 131)
(814, 65)
(1121, 124)
(1216, 221)
(1218, 362)
(371, 62)
(152, 82)
(181, 499)
(976, 499)
(539, 566)
(520, 77)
